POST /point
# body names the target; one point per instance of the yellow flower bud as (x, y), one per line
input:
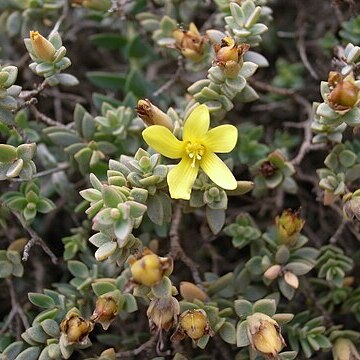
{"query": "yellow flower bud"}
(345, 94)
(106, 309)
(264, 334)
(42, 47)
(150, 268)
(163, 313)
(344, 349)
(75, 329)
(289, 225)
(152, 115)
(272, 272)
(190, 43)
(190, 292)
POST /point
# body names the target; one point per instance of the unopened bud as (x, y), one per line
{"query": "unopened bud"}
(345, 93)
(194, 324)
(150, 268)
(264, 334)
(289, 225)
(75, 329)
(272, 272)
(344, 349)
(152, 115)
(291, 279)
(42, 47)
(163, 313)
(107, 308)
(190, 292)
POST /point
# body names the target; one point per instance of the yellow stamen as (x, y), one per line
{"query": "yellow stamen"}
(195, 151)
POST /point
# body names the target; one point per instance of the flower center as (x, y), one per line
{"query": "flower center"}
(195, 151)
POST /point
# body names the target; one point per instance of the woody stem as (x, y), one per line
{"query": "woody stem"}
(251, 353)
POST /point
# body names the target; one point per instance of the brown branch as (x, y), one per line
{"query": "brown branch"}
(306, 145)
(61, 167)
(16, 309)
(172, 80)
(34, 240)
(301, 42)
(27, 94)
(143, 347)
(176, 250)
(45, 119)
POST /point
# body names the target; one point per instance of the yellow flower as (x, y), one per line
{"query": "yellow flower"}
(196, 150)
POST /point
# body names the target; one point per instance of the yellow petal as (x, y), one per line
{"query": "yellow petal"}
(193, 29)
(221, 139)
(217, 171)
(163, 141)
(197, 124)
(181, 179)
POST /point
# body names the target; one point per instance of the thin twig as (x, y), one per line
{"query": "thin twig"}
(63, 16)
(338, 233)
(16, 309)
(60, 167)
(176, 250)
(143, 347)
(306, 145)
(34, 240)
(45, 119)
(301, 43)
(27, 94)
(172, 80)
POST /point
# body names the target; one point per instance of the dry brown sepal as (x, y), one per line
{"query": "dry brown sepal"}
(190, 43)
(75, 328)
(163, 313)
(265, 335)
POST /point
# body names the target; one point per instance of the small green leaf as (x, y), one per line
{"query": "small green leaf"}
(106, 80)
(130, 304)
(109, 41)
(265, 306)
(243, 308)
(102, 287)
(163, 289)
(78, 269)
(51, 327)
(6, 269)
(41, 300)
(228, 333)
(31, 353)
(242, 338)
(7, 153)
(215, 219)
